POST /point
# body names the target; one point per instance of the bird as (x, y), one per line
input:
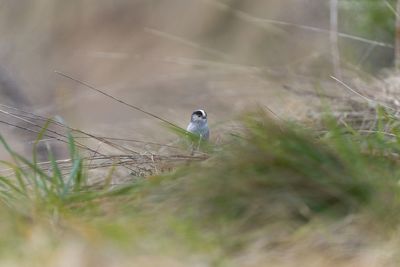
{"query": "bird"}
(198, 124)
(197, 131)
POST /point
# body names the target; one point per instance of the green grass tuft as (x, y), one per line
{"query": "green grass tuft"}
(272, 178)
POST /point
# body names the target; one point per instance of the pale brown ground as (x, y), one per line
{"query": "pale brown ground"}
(169, 58)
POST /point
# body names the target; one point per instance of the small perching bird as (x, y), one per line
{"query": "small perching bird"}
(196, 133)
(198, 124)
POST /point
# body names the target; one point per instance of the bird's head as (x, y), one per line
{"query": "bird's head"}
(199, 116)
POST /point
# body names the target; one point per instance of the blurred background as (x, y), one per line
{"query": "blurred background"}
(171, 57)
(281, 196)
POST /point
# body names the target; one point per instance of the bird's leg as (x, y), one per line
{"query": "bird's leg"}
(192, 149)
(198, 146)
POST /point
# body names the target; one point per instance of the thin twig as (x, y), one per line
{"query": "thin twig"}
(119, 147)
(391, 8)
(117, 99)
(45, 135)
(333, 36)
(186, 42)
(260, 21)
(272, 112)
(360, 95)
(39, 126)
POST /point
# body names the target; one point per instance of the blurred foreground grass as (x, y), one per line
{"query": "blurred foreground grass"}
(275, 194)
